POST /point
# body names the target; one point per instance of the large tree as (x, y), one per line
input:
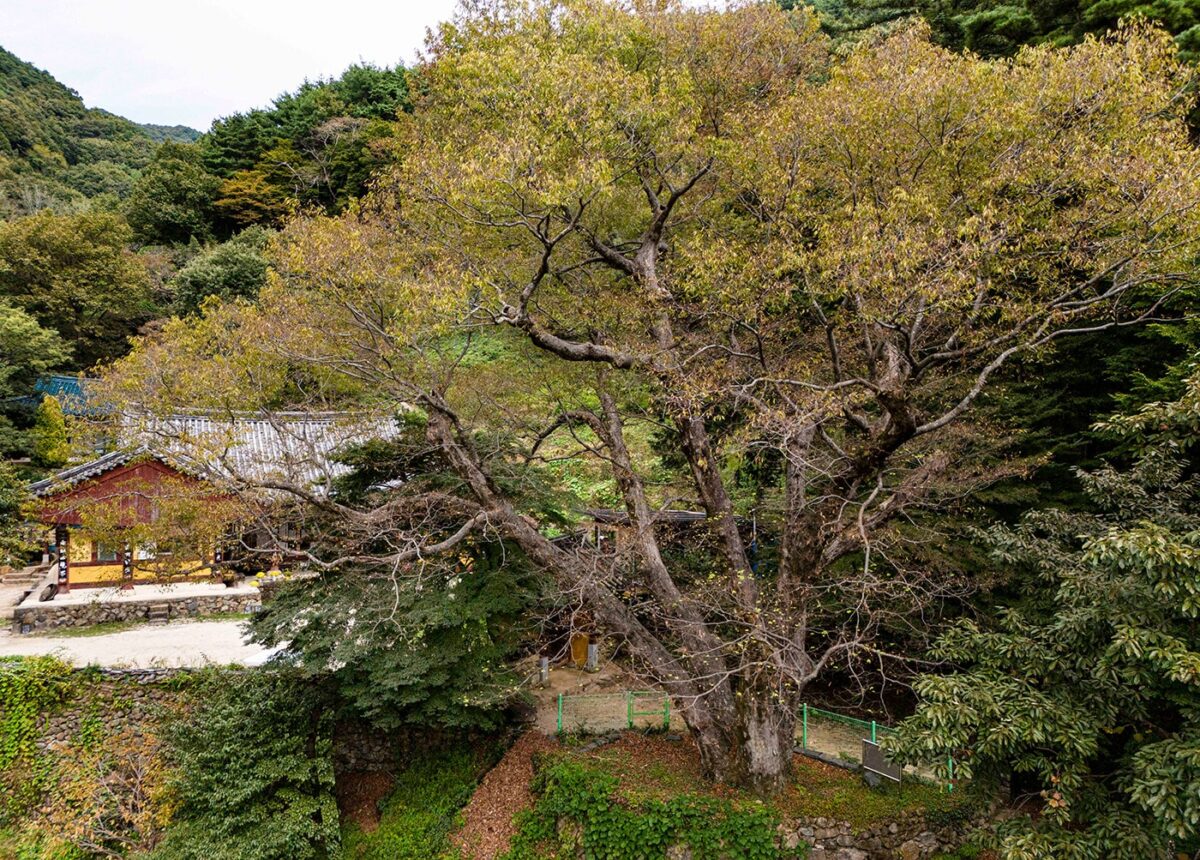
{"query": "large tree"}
(736, 274)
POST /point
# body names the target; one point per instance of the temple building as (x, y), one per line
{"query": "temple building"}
(127, 486)
(188, 471)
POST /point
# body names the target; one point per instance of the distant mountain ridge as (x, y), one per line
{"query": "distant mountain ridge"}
(176, 133)
(55, 152)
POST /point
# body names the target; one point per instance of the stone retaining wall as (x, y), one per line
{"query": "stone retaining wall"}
(910, 837)
(137, 700)
(359, 747)
(48, 616)
(117, 699)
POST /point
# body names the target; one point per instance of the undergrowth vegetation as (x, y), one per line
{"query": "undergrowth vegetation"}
(600, 825)
(253, 771)
(423, 808)
(29, 687)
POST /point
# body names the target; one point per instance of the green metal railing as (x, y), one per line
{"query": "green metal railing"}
(608, 711)
(871, 729)
(871, 726)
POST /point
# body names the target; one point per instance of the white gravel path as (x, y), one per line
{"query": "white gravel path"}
(180, 643)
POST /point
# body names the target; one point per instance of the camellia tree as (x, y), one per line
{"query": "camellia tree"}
(737, 274)
(1085, 696)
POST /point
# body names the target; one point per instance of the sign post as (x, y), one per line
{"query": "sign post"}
(62, 544)
(127, 568)
(874, 761)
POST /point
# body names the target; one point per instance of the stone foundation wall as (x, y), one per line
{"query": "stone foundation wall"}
(909, 837)
(48, 616)
(357, 748)
(361, 748)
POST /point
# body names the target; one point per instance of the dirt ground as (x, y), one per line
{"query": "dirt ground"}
(180, 643)
(845, 742)
(607, 685)
(835, 739)
(359, 795)
(488, 824)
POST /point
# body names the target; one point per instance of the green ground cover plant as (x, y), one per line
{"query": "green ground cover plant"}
(422, 810)
(602, 826)
(816, 789)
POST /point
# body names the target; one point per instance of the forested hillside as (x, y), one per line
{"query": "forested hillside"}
(55, 152)
(998, 28)
(177, 133)
(106, 225)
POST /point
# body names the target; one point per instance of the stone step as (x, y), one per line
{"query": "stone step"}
(25, 576)
(158, 613)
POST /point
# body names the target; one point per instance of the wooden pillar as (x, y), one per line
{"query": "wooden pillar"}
(62, 544)
(127, 568)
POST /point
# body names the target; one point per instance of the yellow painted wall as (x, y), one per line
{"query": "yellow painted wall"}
(113, 572)
(80, 550)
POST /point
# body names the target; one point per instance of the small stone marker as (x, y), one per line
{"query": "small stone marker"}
(579, 649)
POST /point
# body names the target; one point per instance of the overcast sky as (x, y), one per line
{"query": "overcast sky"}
(190, 61)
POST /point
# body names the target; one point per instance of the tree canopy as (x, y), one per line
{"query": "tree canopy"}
(742, 274)
(316, 146)
(172, 199)
(994, 28)
(75, 274)
(233, 269)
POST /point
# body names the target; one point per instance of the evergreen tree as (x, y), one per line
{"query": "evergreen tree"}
(1085, 696)
(51, 445)
(432, 656)
(999, 28)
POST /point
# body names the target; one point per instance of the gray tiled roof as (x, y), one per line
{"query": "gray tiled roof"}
(282, 448)
(90, 469)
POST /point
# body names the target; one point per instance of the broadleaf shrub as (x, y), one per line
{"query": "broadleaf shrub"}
(254, 776)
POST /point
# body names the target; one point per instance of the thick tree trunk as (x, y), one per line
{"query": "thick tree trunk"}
(751, 747)
(742, 725)
(767, 732)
